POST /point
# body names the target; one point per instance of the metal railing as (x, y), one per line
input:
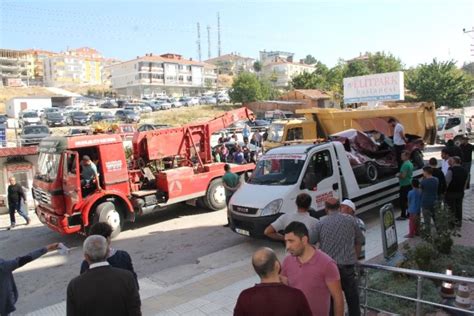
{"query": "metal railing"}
(420, 276)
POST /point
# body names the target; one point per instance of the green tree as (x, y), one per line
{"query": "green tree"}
(257, 66)
(468, 68)
(381, 62)
(440, 82)
(247, 88)
(309, 60)
(356, 68)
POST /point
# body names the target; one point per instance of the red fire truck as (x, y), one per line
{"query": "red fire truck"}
(165, 166)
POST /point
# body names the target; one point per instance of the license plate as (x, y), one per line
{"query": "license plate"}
(242, 232)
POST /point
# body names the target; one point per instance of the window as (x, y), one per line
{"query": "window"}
(452, 122)
(319, 168)
(190, 78)
(295, 133)
(188, 68)
(180, 78)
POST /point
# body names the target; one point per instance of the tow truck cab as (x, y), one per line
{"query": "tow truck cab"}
(60, 201)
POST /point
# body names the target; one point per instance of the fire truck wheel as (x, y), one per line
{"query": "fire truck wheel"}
(215, 195)
(106, 212)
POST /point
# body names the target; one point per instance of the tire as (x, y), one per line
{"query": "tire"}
(417, 158)
(106, 212)
(215, 195)
(371, 172)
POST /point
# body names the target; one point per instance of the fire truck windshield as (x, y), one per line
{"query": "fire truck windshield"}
(48, 165)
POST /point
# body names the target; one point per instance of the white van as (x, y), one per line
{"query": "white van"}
(321, 170)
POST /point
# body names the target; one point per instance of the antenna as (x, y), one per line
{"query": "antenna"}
(199, 41)
(208, 42)
(218, 34)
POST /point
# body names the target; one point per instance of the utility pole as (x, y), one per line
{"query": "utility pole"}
(472, 37)
(199, 41)
(208, 42)
(218, 34)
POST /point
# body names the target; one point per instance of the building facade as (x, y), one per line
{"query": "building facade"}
(36, 59)
(281, 72)
(232, 64)
(274, 56)
(82, 66)
(15, 67)
(169, 74)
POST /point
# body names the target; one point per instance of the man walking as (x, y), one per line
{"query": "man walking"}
(15, 195)
(231, 183)
(312, 271)
(405, 176)
(467, 149)
(341, 238)
(270, 296)
(8, 290)
(456, 179)
(399, 139)
(102, 290)
(429, 197)
(303, 203)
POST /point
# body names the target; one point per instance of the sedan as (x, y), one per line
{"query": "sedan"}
(208, 100)
(33, 134)
(105, 116)
(109, 105)
(79, 118)
(55, 119)
(175, 103)
(145, 108)
(127, 116)
(187, 101)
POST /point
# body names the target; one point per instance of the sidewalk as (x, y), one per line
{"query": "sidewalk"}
(213, 284)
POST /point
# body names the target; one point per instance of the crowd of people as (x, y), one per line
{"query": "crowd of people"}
(231, 150)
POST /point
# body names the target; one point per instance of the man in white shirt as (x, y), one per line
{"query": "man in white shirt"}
(399, 139)
(303, 203)
(444, 164)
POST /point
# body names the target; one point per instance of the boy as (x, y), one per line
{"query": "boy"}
(414, 208)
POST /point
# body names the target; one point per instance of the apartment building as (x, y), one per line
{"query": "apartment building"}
(81, 66)
(36, 58)
(168, 73)
(273, 56)
(281, 71)
(232, 64)
(15, 67)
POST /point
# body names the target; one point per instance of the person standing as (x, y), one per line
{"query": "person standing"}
(438, 174)
(456, 179)
(311, 271)
(340, 237)
(15, 195)
(469, 127)
(399, 139)
(467, 149)
(270, 296)
(348, 207)
(303, 204)
(453, 150)
(246, 132)
(405, 175)
(102, 290)
(116, 258)
(414, 209)
(231, 183)
(444, 164)
(89, 172)
(8, 290)
(429, 197)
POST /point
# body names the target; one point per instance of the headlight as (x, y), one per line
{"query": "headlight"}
(272, 208)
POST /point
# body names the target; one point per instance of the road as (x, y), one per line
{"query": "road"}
(175, 237)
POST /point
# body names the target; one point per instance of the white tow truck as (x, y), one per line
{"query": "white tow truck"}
(321, 170)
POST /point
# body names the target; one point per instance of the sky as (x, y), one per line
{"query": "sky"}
(416, 31)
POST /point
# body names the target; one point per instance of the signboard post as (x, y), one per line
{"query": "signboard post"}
(374, 88)
(389, 231)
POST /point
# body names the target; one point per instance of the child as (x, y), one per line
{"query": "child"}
(414, 208)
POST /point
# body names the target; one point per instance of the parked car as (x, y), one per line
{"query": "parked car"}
(222, 98)
(55, 119)
(74, 131)
(151, 127)
(189, 101)
(33, 134)
(102, 116)
(49, 110)
(175, 103)
(145, 108)
(164, 104)
(3, 119)
(79, 118)
(127, 116)
(208, 100)
(29, 118)
(132, 107)
(109, 104)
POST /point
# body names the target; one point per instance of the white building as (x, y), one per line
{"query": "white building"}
(273, 56)
(169, 73)
(16, 105)
(281, 72)
(232, 64)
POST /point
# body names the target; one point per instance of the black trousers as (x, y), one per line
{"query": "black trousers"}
(350, 287)
(398, 153)
(403, 199)
(454, 201)
(12, 208)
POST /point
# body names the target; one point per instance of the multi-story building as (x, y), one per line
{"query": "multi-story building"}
(281, 71)
(232, 64)
(168, 73)
(82, 66)
(15, 67)
(273, 56)
(36, 59)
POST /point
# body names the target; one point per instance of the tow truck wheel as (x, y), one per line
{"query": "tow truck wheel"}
(371, 172)
(106, 212)
(215, 195)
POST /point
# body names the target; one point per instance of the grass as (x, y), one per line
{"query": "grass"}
(460, 259)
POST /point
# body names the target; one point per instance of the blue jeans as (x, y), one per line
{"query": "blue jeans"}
(16, 207)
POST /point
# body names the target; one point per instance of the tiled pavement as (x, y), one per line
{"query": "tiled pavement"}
(215, 291)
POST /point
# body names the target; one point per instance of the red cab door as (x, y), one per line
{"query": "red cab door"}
(71, 180)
